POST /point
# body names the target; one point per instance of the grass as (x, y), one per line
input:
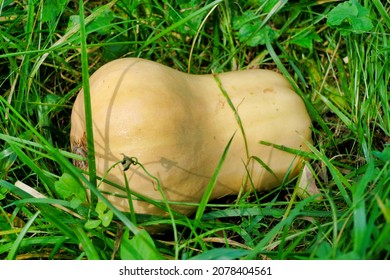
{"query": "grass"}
(340, 67)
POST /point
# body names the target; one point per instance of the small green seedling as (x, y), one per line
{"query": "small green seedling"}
(105, 216)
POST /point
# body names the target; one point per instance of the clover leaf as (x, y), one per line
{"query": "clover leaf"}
(350, 17)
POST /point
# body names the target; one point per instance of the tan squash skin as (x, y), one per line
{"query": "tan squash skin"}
(178, 125)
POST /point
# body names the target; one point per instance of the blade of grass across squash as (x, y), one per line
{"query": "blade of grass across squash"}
(210, 187)
(236, 115)
(289, 150)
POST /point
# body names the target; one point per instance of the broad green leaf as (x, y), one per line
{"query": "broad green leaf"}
(73, 21)
(268, 5)
(3, 192)
(100, 208)
(350, 17)
(255, 35)
(185, 10)
(52, 9)
(361, 24)
(68, 187)
(102, 23)
(140, 247)
(323, 250)
(251, 31)
(105, 214)
(306, 40)
(106, 218)
(75, 202)
(341, 13)
(239, 21)
(91, 224)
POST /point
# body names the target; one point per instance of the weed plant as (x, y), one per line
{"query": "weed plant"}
(334, 53)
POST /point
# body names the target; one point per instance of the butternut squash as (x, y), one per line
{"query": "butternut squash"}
(178, 125)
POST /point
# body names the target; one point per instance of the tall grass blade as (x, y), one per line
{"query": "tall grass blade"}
(236, 115)
(361, 234)
(87, 104)
(210, 187)
(222, 254)
(86, 243)
(310, 107)
(165, 31)
(15, 246)
(279, 227)
(53, 215)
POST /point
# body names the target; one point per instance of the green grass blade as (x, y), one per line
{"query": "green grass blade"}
(87, 103)
(50, 213)
(181, 22)
(34, 167)
(210, 186)
(312, 110)
(236, 115)
(279, 227)
(27, 143)
(382, 10)
(361, 234)
(340, 180)
(222, 254)
(15, 246)
(34, 241)
(86, 243)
